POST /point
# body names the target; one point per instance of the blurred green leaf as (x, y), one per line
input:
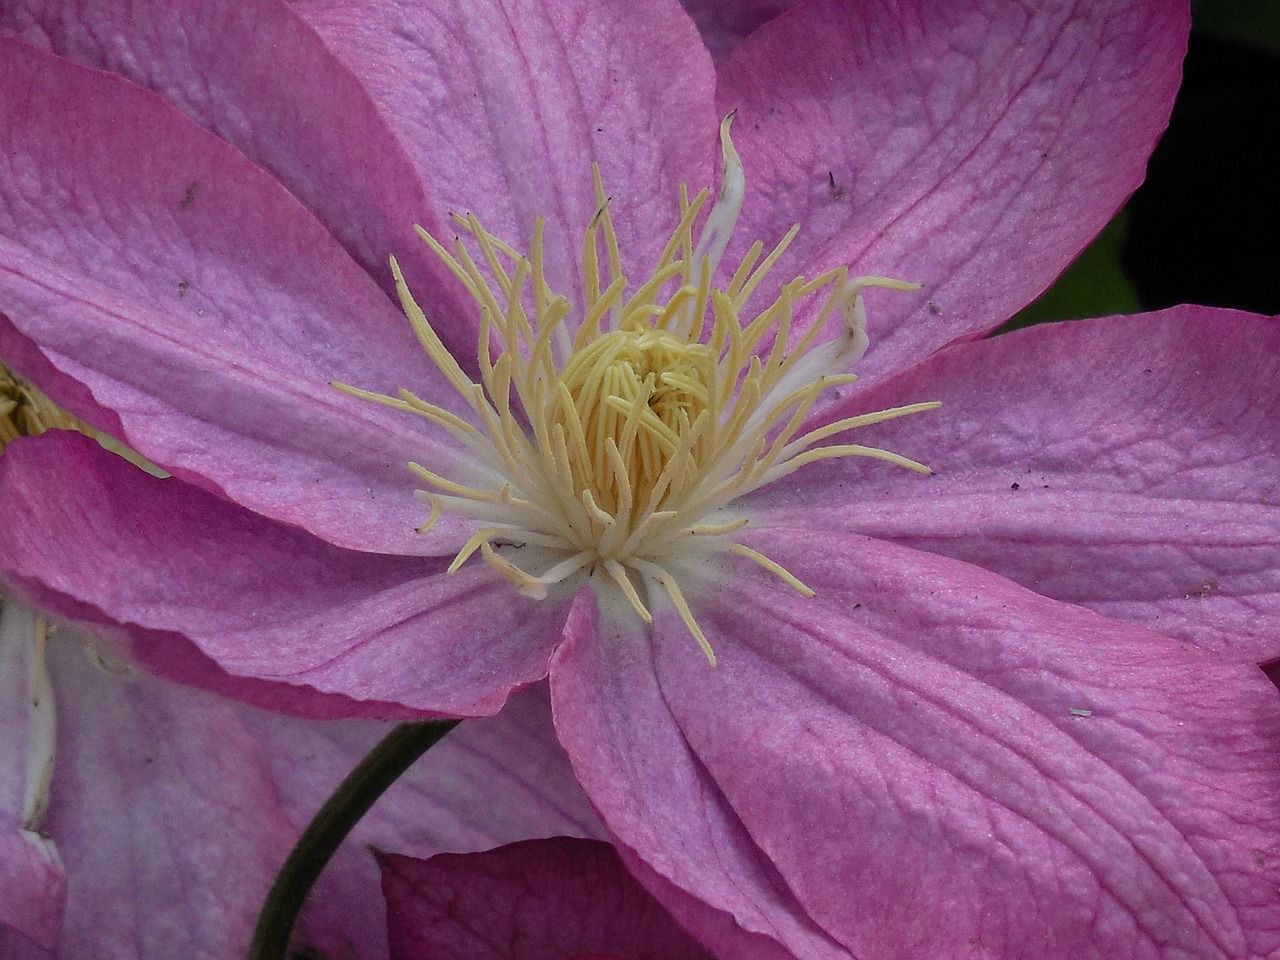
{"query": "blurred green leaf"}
(1255, 23)
(1093, 286)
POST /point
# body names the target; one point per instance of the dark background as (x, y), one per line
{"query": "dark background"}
(1205, 226)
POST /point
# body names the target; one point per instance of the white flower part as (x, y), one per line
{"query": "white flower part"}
(23, 635)
(718, 229)
(609, 447)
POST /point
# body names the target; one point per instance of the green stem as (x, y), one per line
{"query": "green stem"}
(330, 826)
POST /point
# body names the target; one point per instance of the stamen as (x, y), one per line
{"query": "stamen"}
(864, 420)
(610, 444)
(481, 538)
(669, 584)
(527, 584)
(775, 568)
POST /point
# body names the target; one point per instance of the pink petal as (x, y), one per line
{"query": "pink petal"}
(972, 148)
(1128, 465)
(263, 600)
(164, 813)
(540, 900)
(32, 889)
(252, 72)
(934, 759)
(503, 107)
(202, 309)
(658, 802)
(489, 782)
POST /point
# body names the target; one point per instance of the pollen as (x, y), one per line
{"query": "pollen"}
(612, 433)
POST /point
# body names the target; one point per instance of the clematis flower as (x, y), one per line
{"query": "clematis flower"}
(539, 900)
(947, 749)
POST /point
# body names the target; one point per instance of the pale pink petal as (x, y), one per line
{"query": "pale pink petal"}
(1128, 465)
(252, 72)
(264, 601)
(489, 782)
(174, 657)
(504, 106)
(657, 800)
(164, 288)
(32, 883)
(932, 759)
(540, 900)
(164, 812)
(973, 148)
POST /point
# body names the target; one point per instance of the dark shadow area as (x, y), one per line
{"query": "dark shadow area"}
(1205, 227)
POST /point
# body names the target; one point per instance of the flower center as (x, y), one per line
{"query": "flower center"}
(637, 392)
(613, 438)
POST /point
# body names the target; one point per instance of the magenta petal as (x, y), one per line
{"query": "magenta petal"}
(503, 107)
(14, 946)
(165, 814)
(539, 900)
(1128, 465)
(933, 758)
(972, 148)
(203, 310)
(263, 600)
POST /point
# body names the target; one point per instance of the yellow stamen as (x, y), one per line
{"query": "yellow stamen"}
(26, 412)
(616, 427)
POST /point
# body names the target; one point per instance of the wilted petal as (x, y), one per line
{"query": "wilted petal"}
(165, 289)
(965, 762)
(540, 900)
(1128, 465)
(264, 601)
(974, 148)
(32, 884)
